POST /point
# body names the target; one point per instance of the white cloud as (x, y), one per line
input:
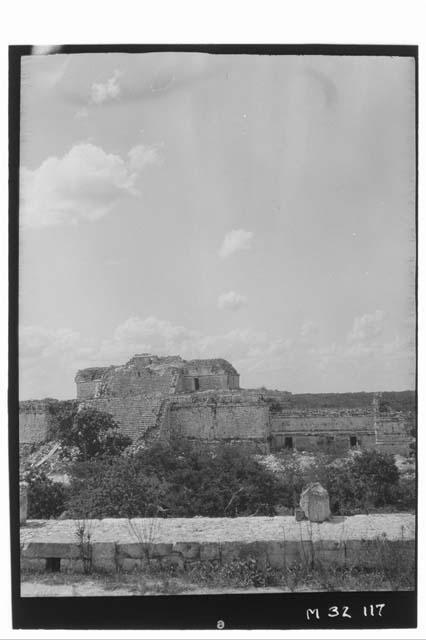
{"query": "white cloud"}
(50, 359)
(141, 156)
(367, 327)
(231, 300)
(107, 91)
(84, 184)
(37, 342)
(234, 241)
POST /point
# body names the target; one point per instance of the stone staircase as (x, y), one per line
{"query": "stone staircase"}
(147, 420)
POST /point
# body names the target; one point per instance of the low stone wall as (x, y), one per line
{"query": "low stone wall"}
(119, 544)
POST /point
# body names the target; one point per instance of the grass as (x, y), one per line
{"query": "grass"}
(390, 572)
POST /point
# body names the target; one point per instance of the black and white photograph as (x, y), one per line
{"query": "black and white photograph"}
(217, 328)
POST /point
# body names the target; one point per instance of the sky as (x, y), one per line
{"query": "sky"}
(255, 208)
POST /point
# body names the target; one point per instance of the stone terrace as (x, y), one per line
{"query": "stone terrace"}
(122, 544)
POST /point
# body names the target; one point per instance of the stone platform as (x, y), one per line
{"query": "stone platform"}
(120, 544)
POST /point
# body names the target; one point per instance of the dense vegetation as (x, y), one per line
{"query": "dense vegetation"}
(174, 480)
(46, 499)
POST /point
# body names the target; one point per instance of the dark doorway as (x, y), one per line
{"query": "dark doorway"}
(288, 442)
(53, 564)
(353, 441)
(196, 384)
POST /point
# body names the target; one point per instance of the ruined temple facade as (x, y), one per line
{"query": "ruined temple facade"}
(146, 373)
(152, 397)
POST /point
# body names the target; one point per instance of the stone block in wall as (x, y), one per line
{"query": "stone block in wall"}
(160, 549)
(132, 549)
(230, 551)
(189, 550)
(282, 554)
(132, 564)
(104, 556)
(72, 565)
(50, 550)
(33, 564)
(329, 552)
(299, 514)
(209, 551)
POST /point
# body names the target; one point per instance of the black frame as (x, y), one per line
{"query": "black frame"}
(265, 611)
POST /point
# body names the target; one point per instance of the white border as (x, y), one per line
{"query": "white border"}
(200, 21)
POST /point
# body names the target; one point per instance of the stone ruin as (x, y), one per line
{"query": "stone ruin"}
(314, 503)
(152, 397)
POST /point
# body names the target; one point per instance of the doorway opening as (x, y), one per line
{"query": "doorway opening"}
(288, 442)
(196, 384)
(53, 564)
(353, 441)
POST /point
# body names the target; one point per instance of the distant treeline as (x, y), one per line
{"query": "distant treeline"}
(396, 400)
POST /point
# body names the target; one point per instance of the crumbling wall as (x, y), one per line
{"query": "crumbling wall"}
(130, 380)
(88, 380)
(87, 389)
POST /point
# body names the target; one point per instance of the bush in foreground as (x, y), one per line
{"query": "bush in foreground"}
(174, 480)
(367, 482)
(46, 499)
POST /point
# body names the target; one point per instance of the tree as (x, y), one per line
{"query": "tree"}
(90, 433)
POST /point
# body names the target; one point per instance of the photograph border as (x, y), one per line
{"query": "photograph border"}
(237, 611)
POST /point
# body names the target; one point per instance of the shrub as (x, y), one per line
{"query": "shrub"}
(365, 482)
(176, 480)
(368, 481)
(403, 495)
(375, 474)
(89, 433)
(46, 499)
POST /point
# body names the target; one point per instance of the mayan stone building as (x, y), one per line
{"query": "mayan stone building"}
(153, 397)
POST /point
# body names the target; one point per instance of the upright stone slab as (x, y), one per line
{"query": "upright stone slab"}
(315, 502)
(23, 502)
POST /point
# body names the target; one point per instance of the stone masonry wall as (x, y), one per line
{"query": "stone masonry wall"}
(120, 545)
(136, 415)
(229, 416)
(392, 433)
(35, 421)
(319, 429)
(87, 389)
(37, 418)
(206, 382)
